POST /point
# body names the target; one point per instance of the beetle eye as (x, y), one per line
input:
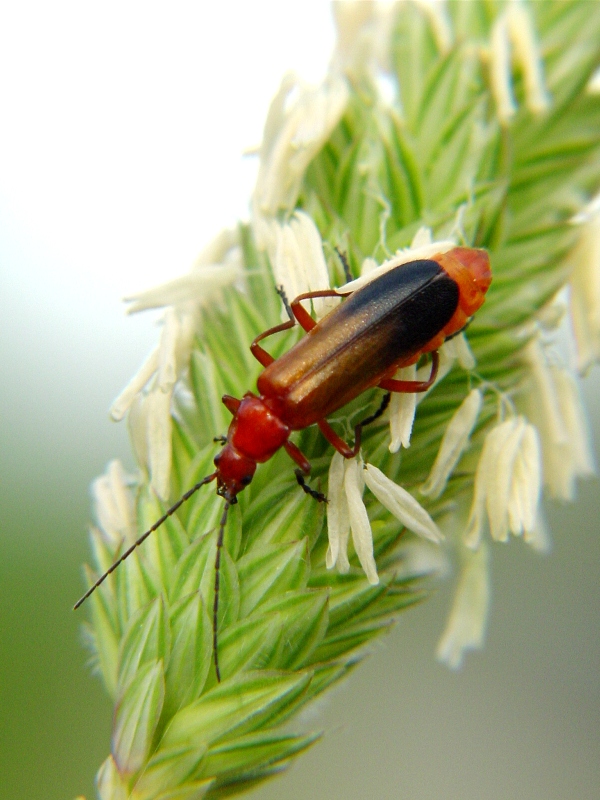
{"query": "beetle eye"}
(246, 480)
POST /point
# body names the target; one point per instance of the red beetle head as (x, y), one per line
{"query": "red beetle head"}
(234, 472)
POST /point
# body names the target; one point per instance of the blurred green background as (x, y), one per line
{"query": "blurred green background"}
(120, 158)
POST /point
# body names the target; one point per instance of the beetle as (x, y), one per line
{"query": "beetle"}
(389, 322)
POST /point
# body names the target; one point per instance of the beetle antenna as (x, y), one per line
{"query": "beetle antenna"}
(144, 536)
(217, 582)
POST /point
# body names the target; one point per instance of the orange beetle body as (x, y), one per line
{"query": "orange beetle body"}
(386, 324)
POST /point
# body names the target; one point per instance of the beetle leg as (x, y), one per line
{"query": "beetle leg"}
(231, 404)
(385, 401)
(302, 315)
(259, 353)
(344, 259)
(337, 441)
(392, 385)
(318, 496)
(298, 456)
(339, 444)
(295, 310)
(286, 303)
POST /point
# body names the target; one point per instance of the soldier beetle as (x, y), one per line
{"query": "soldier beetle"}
(386, 324)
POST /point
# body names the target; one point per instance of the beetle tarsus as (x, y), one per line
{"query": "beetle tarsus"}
(281, 292)
(318, 496)
(385, 401)
(344, 259)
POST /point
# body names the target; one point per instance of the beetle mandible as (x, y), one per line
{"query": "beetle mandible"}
(386, 324)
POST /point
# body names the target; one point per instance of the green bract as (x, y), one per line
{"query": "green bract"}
(437, 156)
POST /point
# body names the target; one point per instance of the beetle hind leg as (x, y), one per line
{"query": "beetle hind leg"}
(393, 385)
(298, 456)
(385, 401)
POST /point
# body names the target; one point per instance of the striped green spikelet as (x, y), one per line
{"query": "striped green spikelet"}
(490, 136)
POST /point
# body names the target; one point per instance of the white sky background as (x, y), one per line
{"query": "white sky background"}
(124, 124)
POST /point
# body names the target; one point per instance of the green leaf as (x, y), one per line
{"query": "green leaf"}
(195, 790)
(136, 717)
(165, 546)
(280, 634)
(145, 639)
(167, 769)
(242, 704)
(272, 570)
(105, 637)
(251, 752)
(110, 785)
(191, 653)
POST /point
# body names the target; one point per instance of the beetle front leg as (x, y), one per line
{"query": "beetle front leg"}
(337, 441)
(298, 456)
(393, 385)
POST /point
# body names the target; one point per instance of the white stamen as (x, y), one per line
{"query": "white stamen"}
(539, 537)
(454, 442)
(220, 264)
(401, 257)
(516, 26)
(527, 53)
(158, 433)
(556, 407)
(347, 509)
(465, 629)
(362, 535)
(585, 286)
(401, 504)
(338, 521)
(402, 411)
(137, 424)
(200, 286)
(299, 122)
(507, 482)
(546, 398)
(572, 458)
(296, 253)
(458, 348)
(509, 436)
(167, 368)
(114, 502)
(500, 71)
(420, 557)
(439, 19)
(123, 402)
